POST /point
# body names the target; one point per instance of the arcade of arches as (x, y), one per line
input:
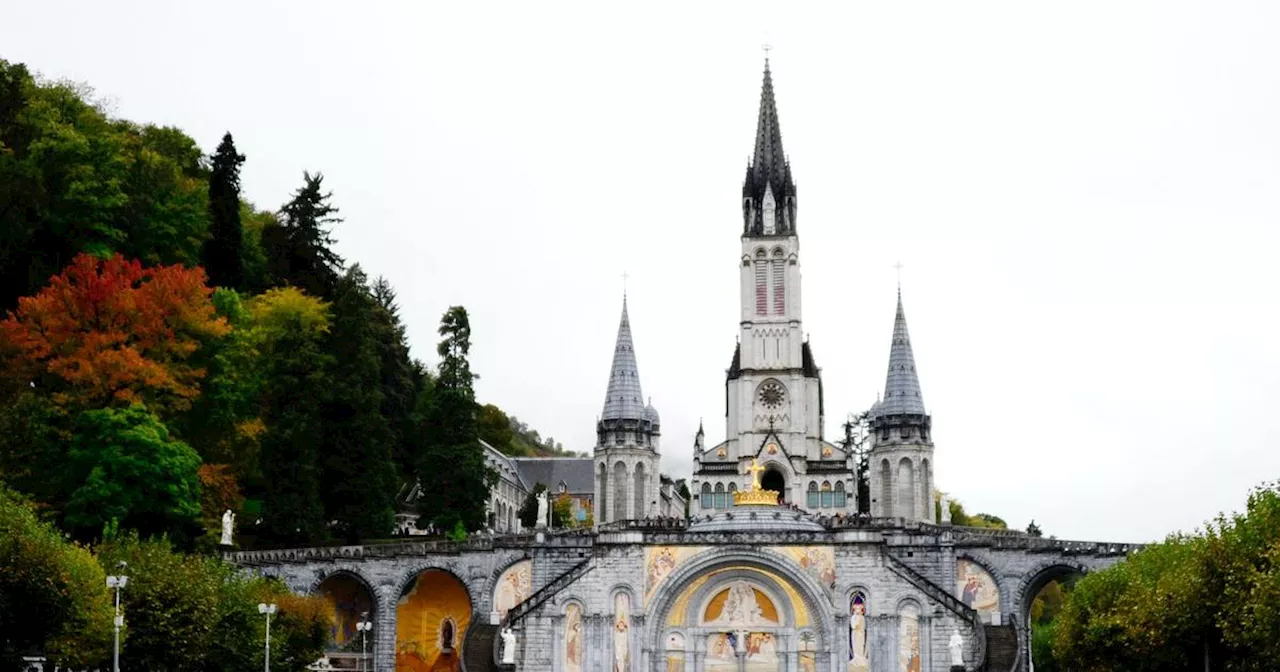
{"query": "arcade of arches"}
(431, 621)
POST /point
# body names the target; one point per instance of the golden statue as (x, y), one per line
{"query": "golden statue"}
(756, 495)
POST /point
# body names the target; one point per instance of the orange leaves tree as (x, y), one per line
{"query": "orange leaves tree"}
(112, 332)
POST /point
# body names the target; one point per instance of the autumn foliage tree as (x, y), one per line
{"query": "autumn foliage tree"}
(113, 332)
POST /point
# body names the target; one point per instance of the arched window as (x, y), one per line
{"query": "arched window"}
(707, 501)
(812, 495)
(886, 489)
(602, 492)
(926, 491)
(906, 489)
(720, 496)
(642, 487)
(762, 283)
(839, 497)
(733, 487)
(620, 491)
(827, 498)
(779, 283)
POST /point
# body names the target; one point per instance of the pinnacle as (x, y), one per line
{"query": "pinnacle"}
(624, 399)
(902, 394)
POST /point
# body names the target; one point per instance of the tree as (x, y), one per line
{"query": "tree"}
(128, 470)
(358, 481)
(73, 180)
(113, 332)
(299, 248)
(495, 428)
(195, 613)
(401, 380)
(53, 595)
(223, 251)
(529, 508)
(451, 464)
(296, 387)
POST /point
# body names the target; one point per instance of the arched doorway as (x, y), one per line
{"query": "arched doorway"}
(734, 612)
(350, 602)
(1041, 598)
(431, 623)
(772, 479)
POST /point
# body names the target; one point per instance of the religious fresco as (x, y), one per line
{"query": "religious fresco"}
(622, 633)
(818, 561)
(976, 588)
(679, 610)
(349, 602)
(574, 639)
(740, 604)
(762, 652)
(909, 638)
(675, 652)
(721, 653)
(859, 661)
(431, 621)
(660, 561)
(514, 587)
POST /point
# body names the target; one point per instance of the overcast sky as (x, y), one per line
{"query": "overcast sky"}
(1084, 198)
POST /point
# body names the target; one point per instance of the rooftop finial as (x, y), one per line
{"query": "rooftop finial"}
(625, 275)
(766, 47)
(898, 267)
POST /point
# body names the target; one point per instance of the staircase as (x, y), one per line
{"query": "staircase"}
(945, 598)
(1002, 647)
(477, 649)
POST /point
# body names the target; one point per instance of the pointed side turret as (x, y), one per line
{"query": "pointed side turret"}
(901, 456)
(624, 400)
(768, 192)
(902, 385)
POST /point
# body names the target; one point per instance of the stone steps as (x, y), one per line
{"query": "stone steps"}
(477, 651)
(1002, 648)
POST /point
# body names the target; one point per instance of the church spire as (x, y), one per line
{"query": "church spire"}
(768, 192)
(624, 400)
(902, 385)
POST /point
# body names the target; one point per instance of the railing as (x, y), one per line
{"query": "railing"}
(537, 599)
(573, 539)
(545, 593)
(645, 525)
(946, 599)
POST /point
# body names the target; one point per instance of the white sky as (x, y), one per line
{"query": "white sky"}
(1084, 196)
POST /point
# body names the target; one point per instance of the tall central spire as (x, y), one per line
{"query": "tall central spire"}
(902, 384)
(624, 400)
(768, 192)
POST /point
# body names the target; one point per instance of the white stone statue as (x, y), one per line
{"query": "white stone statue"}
(945, 506)
(508, 647)
(742, 641)
(543, 513)
(228, 521)
(956, 646)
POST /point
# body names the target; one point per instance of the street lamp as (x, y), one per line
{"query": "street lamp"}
(364, 627)
(266, 610)
(118, 582)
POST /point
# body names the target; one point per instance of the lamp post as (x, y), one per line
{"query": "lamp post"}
(118, 582)
(364, 627)
(266, 610)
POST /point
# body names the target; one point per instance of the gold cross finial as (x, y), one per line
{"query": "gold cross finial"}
(755, 470)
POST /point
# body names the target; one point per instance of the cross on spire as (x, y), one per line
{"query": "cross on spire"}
(625, 275)
(898, 268)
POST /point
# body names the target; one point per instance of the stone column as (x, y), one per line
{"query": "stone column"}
(384, 632)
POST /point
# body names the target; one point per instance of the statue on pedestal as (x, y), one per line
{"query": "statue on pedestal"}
(956, 647)
(228, 521)
(543, 513)
(508, 647)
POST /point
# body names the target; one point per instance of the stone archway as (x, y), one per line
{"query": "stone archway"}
(725, 606)
(350, 600)
(774, 479)
(1028, 588)
(432, 616)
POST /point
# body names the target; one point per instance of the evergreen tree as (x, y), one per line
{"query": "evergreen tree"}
(299, 247)
(400, 377)
(222, 254)
(358, 481)
(296, 387)
(451, 468)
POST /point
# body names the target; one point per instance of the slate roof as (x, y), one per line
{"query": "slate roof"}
(624, 400)
(769, 169)
(577, 473)
(902, 385)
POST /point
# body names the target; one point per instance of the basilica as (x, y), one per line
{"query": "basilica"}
(778, 566)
